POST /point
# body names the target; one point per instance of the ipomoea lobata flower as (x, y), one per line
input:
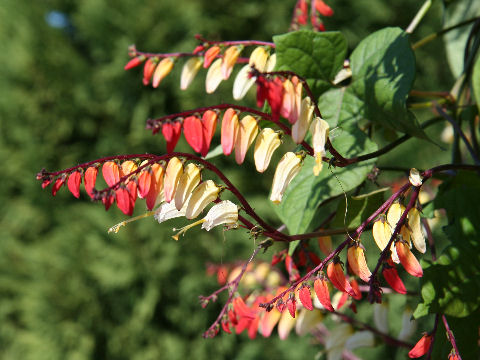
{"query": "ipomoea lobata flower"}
(415, 178)
(163, 69)
(267, 142)
(287, 168)
(414, 223)
(292, 99)
(214, 76)
(299, 129)
(319, 129)
(224, 212)
(188, 182)
(167, 211)
(247, 131)
(259, 58)
(190, 69)
(172, 175)
(243, 82)
(204, 194)
(229, 59)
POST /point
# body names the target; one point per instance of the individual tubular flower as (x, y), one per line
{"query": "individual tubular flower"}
(391, 276)
(167, 211)
(204, 194)
(394, 213)
(171, 131)
(163, 69)
(358, 263)
(148, 70)
(189, 71)
(292, 98)
(214, 76)
(125, 196)
(127, 168)
(381, 234)
(73, 183)
(209, 124)
(407, 259)
(210, 55)
(323, 8)
(338, 279)
(156, 185)
(89, 180)
(416, 233)
(224, 212)
(271, 62)
(111, 173)
(243, 82)
(319, 129)
(267, 142)
(247, 131)
(229, 59)
(421, 347)
(172, 175)
(136, 61)
(258, 58)
(299, 129)
(285, 325)
(409, 325)
(305, 297)
(415, 178)
(229, 130)
(144, 181)
(288, 167)
(188, 182)
(307, 320)
(380, 317)
(323, 293)
(193, 132)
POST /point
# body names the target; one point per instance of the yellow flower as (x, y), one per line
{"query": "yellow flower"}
(229, 59)
(247, 131)
(214, 76)
(287, 168)
(415, 178)
(267, 142)
(190, 69)
(242, 83)
(188, 182)
(203, 195)
(163, 69)
(259, 58)
(299, 129)
(224, 212)
(319, 130)
(172, 175)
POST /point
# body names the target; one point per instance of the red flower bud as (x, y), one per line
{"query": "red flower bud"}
(391, 276)
(193, 132)
(421, 347)
(89, 179)
(292, 305)
(73, 183)
(58, 184)
(338, 279)
(111, 173)
(209, 124)
(210, 55)
(171, 131)
(134, 62)
(305, 297)
(144, 182)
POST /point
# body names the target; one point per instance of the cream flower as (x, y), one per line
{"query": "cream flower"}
(288, 167)
(224, 212)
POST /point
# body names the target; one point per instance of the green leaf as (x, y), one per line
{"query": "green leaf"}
(307, 191)
(450, 284)
(455, 40)
(359, 209)
(318, 57)
(383, 70)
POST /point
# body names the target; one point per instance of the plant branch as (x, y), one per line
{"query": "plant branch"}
(451, 337)
(212, 330)
(419, 16)
(433, 36)
(460, 133)
(432, 333)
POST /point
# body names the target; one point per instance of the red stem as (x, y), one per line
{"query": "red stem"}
(450, 337)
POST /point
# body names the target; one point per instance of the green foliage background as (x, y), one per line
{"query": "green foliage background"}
(67, 289)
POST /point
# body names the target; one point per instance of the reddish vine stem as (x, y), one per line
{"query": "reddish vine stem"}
(387, 338)
(270, 231)
(451, 337)
(211, 331)
(356, 234)
(432, 333)
(154, 124)
(235, 42)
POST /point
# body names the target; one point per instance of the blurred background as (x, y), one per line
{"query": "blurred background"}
(69, 290)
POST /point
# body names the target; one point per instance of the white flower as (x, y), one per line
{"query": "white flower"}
(167, 211)
(415, 178)
(319, 130)
(299, 129)
(214, 76)
(190, 69)
(224, 212)
(242, 83)
(409, 325)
